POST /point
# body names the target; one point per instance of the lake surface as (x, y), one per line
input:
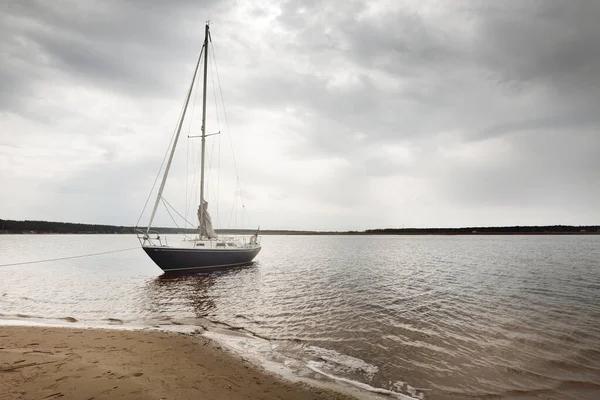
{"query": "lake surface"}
(437, 317)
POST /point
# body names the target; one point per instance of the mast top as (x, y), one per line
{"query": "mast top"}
(208, 38)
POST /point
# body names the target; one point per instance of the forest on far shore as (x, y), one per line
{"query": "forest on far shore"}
(48, 227)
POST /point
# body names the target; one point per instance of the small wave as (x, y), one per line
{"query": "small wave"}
(252, 333)
(568, 386)
(540, 377)
(343, 362)
(590, 353)
(46, 301)
(69, 319)
(367, 387)
(241, 316)
(114, 321)
(515, 393)
(574, 384)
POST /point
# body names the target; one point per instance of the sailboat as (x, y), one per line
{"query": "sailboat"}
(206, 251)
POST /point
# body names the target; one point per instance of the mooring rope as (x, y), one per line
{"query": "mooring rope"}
(67, 258)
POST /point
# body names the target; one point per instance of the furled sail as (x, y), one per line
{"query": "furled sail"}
(207, 228)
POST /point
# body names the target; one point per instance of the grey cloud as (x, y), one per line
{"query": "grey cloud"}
(550, 170)
(568, 117)
(551, 42)
(129, 47)
(103, 191)
(438, 66)
(517, 70)
(353, 84)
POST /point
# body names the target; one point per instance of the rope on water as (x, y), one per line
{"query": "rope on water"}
(68, 258)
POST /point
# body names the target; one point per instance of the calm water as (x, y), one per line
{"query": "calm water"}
(441, 317)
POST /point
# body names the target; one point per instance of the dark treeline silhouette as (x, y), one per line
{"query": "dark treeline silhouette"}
(11, 226)
(500, 230)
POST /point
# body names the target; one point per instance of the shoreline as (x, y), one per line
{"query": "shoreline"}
(588, 233)
(239, 343)
(104, 363)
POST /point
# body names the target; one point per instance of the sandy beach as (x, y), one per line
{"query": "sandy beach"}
(52, 363)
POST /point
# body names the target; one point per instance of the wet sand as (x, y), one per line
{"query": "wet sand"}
(52, 363)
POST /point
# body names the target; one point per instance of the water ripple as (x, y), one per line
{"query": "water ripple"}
(458, 317)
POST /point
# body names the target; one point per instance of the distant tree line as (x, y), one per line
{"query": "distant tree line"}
(11, 226)
(499, 230)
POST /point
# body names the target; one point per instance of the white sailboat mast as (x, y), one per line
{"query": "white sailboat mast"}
(201, 219)
(187, 100)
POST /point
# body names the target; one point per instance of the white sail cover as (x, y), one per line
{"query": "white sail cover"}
(207, 229)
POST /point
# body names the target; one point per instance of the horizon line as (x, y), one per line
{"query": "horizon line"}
(311, 230)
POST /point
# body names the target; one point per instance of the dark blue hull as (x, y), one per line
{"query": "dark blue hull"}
(171, 259)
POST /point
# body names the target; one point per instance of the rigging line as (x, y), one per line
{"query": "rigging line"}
(163, 161)
(218, 178)
(228, 131)
(244, 211)
(233, 207)
(212, 77)
(192, 194)
(67, 258)
(173, 208)
(168, 212)
(187, 205)
(231, 212)
(194, 104)
(226, 119)
(159, 171)
(179, 126)
(187, 174)
(248, 216)
(211, 177)
(224, 108)
(241, 194)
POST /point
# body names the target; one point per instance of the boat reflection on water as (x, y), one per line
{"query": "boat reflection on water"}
(182, 298)
(176, 275)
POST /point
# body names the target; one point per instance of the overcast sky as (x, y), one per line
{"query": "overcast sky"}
(342, 114)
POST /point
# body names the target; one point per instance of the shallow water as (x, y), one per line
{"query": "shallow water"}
(430, 316)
